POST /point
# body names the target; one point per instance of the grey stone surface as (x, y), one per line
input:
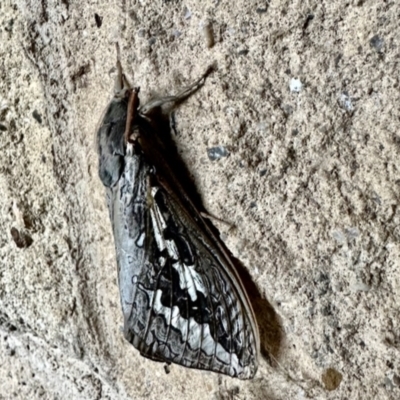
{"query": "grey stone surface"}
(320, 164)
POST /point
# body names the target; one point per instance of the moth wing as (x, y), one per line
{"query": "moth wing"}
(180, 302)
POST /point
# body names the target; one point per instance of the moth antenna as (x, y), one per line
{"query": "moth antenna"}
(121, 83)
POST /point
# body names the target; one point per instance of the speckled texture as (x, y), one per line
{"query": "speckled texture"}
(305, 99)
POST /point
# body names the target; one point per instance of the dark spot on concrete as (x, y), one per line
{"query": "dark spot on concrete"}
(98, 19)
(377, 43)
(21, 239)
(217, 152)
(37, 116)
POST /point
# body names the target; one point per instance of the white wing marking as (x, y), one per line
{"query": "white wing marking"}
(188, 277)
(208, 344)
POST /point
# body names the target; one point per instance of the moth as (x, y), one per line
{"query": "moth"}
(181, 298)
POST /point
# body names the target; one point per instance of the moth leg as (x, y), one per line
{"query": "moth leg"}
(178, 98)
(172, 124)
(214, 218)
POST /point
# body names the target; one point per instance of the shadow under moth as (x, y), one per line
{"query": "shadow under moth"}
(181, 298)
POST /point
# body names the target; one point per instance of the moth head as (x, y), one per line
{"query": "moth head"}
(110, 136)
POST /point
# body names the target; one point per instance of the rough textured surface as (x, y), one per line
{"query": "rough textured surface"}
(306, 101)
